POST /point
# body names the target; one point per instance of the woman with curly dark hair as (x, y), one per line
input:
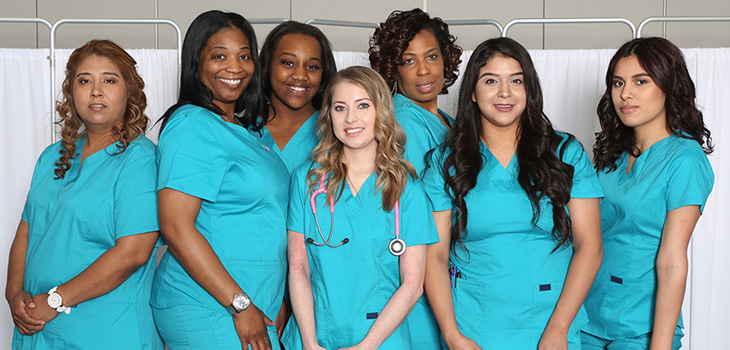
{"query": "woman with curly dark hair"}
(520, 266)
(419, 60)
(651, 161)
(80, 265)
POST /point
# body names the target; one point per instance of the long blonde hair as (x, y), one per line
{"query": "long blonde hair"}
(391, 169)
(134, 121)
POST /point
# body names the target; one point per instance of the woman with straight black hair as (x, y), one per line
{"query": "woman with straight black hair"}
(520, 266)
(222, 199)
(296, 66)
(651, 160)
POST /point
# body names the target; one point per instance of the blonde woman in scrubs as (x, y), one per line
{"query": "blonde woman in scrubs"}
(355, 272)
(651, 160)
(81, 264)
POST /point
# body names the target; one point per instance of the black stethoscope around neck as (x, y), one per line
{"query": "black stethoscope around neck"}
(396, 246)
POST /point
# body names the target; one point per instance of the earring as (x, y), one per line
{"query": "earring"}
(394, 90)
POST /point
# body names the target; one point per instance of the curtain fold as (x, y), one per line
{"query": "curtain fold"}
(572, 83)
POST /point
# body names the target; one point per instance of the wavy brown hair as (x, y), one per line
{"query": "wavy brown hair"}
(391, 40)
(665, 64)
(391, 169)
(134, 122)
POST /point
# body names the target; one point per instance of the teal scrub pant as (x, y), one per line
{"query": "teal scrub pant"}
(641, 342)
(188, 327)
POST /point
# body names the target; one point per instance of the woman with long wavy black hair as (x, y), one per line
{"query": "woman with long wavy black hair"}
(651, 160)
(520, 264)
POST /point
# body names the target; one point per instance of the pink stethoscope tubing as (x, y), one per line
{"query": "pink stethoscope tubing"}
(396, 246)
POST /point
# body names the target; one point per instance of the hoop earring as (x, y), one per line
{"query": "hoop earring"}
(394, 90)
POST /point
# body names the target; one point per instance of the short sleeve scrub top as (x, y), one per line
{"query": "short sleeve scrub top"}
(72, 222)
(672, 173)
(244, 191)
(510, 278)
(352, 283)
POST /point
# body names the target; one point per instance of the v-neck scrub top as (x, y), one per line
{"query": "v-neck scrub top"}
(672, 173)
(299, 148)
(352, 283)
(424, 130)
(72, 222)
(510, 277)
(244, 191)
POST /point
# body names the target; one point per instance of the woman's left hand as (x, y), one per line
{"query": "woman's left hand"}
(42, 311)
(282, 318)
(552, 340)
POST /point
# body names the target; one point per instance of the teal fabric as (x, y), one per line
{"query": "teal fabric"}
(639, 342)
(358, 278)
(423, 129)
(424, 132)
(672, 173)
(299, 148)
(74, 220)
(244, 188)
(510, 277)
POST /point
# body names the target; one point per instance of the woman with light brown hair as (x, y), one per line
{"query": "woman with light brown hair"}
(358, 225)
(82, 260)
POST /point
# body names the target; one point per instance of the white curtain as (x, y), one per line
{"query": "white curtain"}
(572, 82)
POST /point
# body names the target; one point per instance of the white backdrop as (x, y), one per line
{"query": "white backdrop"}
(572, 82)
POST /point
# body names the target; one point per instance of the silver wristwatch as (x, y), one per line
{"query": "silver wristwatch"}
(55, 301)
(240, 303)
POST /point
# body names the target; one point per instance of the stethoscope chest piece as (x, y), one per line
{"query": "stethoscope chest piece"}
(397, 246)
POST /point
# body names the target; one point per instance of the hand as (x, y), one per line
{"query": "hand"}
(251, 328)
(552, 340)
(42, 311)
(314, 347)
(460, 342)
(19, 306)
(282, 318)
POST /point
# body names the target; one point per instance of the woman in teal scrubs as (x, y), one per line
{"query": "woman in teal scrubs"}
(651, 161)
(81, 264)
(358, 198)
(419, 60)
(296, 66)
(514, 275)
(222, 198)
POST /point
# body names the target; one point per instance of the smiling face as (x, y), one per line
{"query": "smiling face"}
(638, 101)
(226, 67)
(353, 117)
(500, 93)
(421, 71)
(296, 72)
(99, 94)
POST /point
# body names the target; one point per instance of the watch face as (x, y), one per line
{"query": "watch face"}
(241, 302)
(54, 300)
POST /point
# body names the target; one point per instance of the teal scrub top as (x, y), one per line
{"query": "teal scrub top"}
(72, 222)
(299, 148)
(423, 129)
(672, 173)
(244, 191)
(510, 277)
(352, 283)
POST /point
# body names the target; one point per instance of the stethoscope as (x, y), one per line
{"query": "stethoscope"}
(396, 246)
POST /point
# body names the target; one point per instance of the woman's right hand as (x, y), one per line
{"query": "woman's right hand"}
(460, 342)
(19, 305)
(251, 328)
